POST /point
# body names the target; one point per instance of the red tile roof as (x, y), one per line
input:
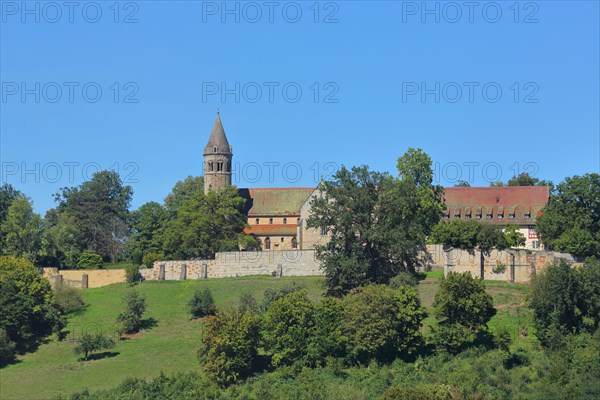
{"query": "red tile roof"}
(272, 230)
(275, 201)
(519, 201)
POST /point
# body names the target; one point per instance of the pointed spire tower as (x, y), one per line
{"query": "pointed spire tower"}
(217, 159)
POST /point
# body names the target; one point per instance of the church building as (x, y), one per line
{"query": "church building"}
(277, 216)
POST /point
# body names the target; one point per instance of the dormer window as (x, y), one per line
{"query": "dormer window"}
(215, 149)
(527, 216)
(500, 216)
(511, 216)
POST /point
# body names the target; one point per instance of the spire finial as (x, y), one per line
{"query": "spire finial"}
(218, 111)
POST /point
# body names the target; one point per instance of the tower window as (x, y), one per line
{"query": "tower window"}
(271, 221)
(285, 220)
(220, 166)
(215, 149)
(211, 167)
(282, 239)
(257, 221)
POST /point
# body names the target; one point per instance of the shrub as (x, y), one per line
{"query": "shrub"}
(137, 257)
(7, 348)
(287, 328)
(132, 273)
(90, 261)
(91, 343)
(229, 346)
(425, 392)
(403, 278)
(68, 299)
(149, 258)
(463, 309)
(271, 294)
(327, 339)
(247, 303)
(202, 303)
(381, 323)
(27, 309)
(131, 318)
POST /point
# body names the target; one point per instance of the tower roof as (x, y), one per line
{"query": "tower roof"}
(217, 143)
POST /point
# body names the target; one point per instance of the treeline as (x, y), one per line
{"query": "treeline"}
(92, 224)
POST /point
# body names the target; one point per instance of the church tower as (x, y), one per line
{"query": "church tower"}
(217, 159)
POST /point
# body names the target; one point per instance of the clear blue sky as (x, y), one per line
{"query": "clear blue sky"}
(373, 58)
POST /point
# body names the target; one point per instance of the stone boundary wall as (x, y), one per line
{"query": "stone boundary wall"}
(518, 266)
(84, 278)
(245, 263)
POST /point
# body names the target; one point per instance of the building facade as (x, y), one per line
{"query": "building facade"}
(277, 217)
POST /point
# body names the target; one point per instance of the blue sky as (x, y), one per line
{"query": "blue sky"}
(487, 90)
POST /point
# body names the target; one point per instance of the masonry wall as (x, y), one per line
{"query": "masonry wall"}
(76, 278)
(246, 263)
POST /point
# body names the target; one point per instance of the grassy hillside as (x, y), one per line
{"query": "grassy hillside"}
(170, 346)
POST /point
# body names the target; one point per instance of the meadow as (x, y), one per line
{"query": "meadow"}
(171, 341)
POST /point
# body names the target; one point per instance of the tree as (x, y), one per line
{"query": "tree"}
(463, 309)
(131, 318)
(206, 224)
(565, 300)
(189, 189)
(7, 195)
(93, 342)
(378, 224)
(99, 208)
(571, 220)
(148, 225)
(381, 323)
(202, 303)
(287, 327)
(22, 230)
(327, 338)
(90, 261)
(462, 183)
(523, 179)
(27, 309)
(7, 348)
(229, 345)
(468, 234)
(513, 236)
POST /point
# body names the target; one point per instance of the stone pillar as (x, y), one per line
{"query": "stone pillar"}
(183, 273)
(161, 272)
(279, 271)
(84, 281)
(204, 271)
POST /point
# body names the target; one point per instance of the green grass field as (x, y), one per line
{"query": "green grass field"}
(170, 346)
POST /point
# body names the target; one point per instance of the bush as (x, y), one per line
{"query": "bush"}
(131, 318)
(381, 323)
(90, 261)
(91, 343)
(287, 328)
(132, 273)
(426, 392)
(463, 309)
(327, 338)
(229, 346)
(403, 278)
(247, 303)
(27, 309)
(137, 257)
(149, 258)
(7, 348)
(202, 303)
(68, 299)
(271, 294)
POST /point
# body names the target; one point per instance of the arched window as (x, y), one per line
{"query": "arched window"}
(282, 239)
(257, 221)
(294, 243)
(271, 221)
(268, 243)
(285, 220)
(215, 149)
(211, 167)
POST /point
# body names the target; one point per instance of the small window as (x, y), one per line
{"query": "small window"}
(535, 244)
(211, 167)
(271, 221)
(477, 216)
(488, 216)
(285, 220)
(500, 216)
(294, 243)
(527, 216)
(215, 149)
(257, 221)
(268, 243)
(511, 216)
(457, 215)
(282, 240)
(468, 216)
